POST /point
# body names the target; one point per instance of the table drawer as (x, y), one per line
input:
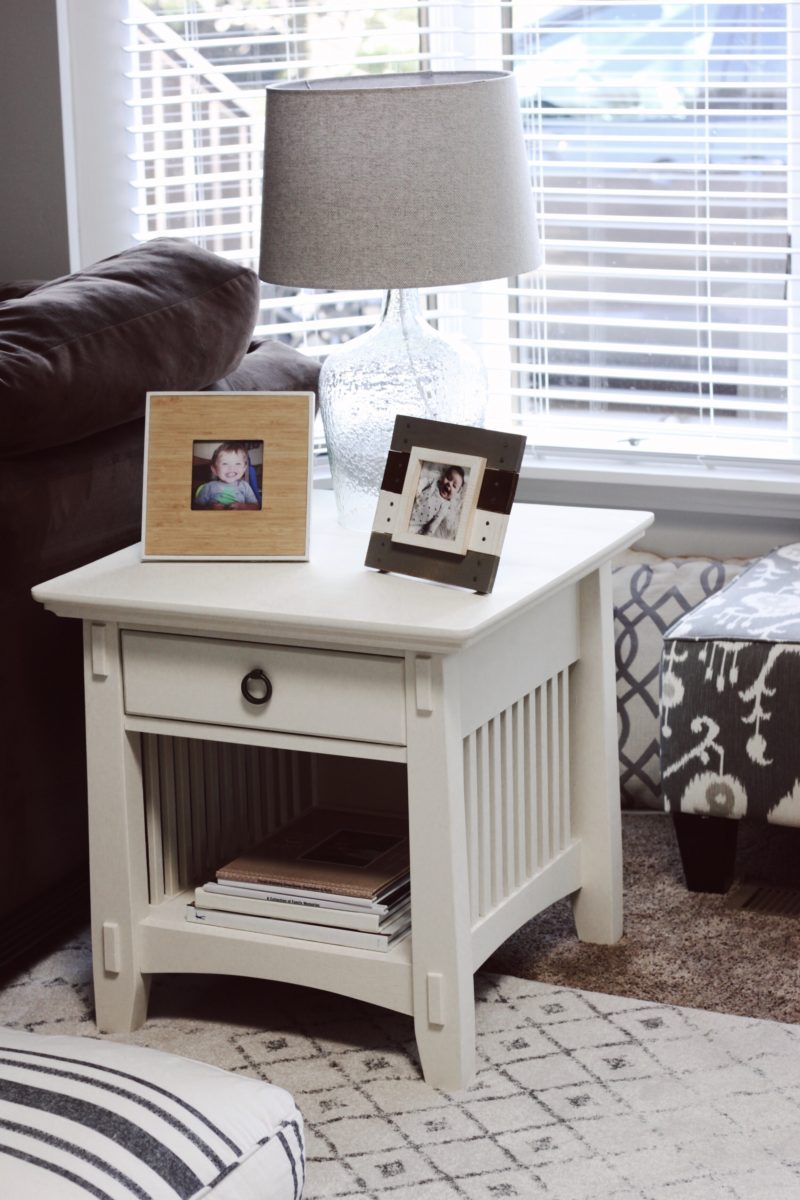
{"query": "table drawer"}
(322, 693)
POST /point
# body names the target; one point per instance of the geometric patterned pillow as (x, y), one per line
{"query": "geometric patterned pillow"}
(82, 1118)
(650, 594)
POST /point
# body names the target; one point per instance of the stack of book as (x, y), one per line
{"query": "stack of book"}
(328, 876)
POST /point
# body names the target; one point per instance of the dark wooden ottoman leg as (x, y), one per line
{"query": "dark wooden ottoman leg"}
(708, 850)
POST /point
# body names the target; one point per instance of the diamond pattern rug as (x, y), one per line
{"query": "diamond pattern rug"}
(578, 1095)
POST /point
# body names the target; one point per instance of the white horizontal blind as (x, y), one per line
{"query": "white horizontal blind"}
(660, 135)
(659, 138)
(198, 73)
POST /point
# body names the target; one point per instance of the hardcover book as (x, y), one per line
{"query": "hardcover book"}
(329, 850)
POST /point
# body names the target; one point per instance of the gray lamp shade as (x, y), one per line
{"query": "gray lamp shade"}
(396, 181)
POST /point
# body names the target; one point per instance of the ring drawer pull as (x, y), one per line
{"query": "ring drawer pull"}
(262, 684)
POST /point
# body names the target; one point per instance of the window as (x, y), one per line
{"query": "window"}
(660, 139)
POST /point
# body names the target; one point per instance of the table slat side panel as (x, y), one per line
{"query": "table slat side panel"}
(516, 794)
(206, 802)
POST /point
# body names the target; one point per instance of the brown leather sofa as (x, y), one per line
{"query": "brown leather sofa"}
(77, 357)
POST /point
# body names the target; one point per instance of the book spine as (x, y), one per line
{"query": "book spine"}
(295, 896)
(287, 881)
(293, 929)
(284, 910)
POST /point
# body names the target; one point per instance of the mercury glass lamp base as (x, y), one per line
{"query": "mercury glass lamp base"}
(405, 366)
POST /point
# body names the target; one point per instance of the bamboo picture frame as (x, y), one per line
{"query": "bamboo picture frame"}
(227, 475)
(444, 503)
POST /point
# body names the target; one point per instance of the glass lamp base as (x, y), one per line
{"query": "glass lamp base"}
(401, 366)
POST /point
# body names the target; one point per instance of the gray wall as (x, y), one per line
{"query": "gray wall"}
(33, 212)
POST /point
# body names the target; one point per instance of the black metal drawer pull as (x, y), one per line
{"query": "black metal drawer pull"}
(263, 687)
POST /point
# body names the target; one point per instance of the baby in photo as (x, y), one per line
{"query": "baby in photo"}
(437, 505)
(228, 487)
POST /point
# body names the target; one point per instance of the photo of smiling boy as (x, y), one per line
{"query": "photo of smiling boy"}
(233, 484)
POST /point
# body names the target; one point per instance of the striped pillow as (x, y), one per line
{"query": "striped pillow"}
(80, 1118)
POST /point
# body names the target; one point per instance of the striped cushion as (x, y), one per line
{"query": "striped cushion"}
(85, 1118)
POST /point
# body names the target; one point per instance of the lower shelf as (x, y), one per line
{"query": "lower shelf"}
(170, 943)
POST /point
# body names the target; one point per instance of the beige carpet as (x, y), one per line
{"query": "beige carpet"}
(679, 947)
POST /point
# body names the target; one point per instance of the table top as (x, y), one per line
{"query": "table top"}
(333, 599)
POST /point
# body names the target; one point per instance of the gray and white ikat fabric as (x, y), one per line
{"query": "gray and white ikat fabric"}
(650, 594)
(730, 676)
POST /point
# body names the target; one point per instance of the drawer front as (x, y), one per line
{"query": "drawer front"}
(322, 693)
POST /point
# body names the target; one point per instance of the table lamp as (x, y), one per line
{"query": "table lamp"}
(395, 182)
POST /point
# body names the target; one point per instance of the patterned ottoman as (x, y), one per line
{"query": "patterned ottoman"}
(729, 715)
(81, 1118)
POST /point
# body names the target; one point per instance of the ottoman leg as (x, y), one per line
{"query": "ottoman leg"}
(708, 850)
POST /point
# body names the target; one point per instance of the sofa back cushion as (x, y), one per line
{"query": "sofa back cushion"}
(79, 354)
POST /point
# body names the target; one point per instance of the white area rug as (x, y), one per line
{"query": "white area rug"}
(578, 1095)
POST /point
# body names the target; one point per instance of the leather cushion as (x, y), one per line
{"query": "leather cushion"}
(79, 354)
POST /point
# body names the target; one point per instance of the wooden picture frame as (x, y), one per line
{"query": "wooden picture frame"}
(444, 503)
(227, 475)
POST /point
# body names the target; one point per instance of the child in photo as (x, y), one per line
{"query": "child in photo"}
(228, 487)
(437, 506)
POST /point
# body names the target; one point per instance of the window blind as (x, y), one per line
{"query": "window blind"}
(198, 73)
(661, 141)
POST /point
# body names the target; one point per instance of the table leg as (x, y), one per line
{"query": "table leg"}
(117, 851)
(594, 766)
(444, 998)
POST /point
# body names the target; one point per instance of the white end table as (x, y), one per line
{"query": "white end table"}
(497, 713)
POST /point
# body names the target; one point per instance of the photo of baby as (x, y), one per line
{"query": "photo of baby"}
(227, 475)
(437, 508)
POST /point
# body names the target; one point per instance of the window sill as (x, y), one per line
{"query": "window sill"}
(660, 483)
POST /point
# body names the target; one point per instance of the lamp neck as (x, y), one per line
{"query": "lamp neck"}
(403, 306)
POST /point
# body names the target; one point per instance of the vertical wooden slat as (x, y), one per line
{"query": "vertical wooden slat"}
(521, 795)
(240, 798)
(566, 807)
(252, 767)
(214, 848)
(283, 802)
(508, 801)
(495, 809)
(197, 808)
(484, 823)
(300, 796)
(543, 783)
(152, 800)
(554, 719)
(267, 811)
(183, 810)
(169, 815)
(227, 806)
(532, 786)
(471, 814)
(309, 790)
